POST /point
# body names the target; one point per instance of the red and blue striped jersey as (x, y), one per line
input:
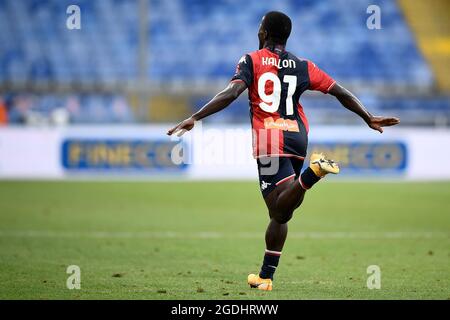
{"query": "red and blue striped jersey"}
(276, 79)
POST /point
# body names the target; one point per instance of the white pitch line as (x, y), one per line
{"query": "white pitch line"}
(220, 235)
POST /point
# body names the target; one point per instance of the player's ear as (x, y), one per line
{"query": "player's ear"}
(265, 34)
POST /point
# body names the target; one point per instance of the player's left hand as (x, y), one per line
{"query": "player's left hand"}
(376, 123)
(182, 127)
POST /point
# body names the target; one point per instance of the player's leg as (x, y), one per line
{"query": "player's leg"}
(277, 229)
(281, 201)
(290, 195)
(276, 232)
(287, 189)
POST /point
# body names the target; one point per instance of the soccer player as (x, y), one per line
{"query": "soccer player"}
(275, 79)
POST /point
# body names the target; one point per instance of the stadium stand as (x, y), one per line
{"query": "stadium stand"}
(429, 21)
(192, 41)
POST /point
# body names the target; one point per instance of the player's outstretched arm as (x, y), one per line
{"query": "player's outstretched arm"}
(222, 100)
(352, 103)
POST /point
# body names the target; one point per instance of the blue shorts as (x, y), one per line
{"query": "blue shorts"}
(273, 171)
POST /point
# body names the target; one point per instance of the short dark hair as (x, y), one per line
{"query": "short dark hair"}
(278, 26)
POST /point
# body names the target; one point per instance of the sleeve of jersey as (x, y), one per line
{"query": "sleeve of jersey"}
(244, 70)
(318, 79)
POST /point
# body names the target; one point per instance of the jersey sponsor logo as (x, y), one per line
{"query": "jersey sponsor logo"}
(281, 124)
(271, 61)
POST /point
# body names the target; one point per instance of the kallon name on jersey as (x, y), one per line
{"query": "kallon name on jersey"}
(289, 63)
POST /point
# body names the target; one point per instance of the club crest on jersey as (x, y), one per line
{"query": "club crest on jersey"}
(271, 61)
(281, 124)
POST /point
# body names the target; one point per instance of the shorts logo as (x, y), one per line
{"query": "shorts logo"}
(281, 124)
(264, 185)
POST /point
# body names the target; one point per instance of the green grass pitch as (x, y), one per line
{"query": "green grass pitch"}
(199, 240)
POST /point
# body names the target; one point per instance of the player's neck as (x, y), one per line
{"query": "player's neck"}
(274, 47)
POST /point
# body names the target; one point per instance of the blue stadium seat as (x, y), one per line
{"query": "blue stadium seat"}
(200, 40)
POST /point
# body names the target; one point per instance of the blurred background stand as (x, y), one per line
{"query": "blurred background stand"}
(153, 61)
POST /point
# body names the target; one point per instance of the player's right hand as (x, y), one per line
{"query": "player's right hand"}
(376, 123)
(182, 127)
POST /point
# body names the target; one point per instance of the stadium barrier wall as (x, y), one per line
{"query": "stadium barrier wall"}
(210, 152)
